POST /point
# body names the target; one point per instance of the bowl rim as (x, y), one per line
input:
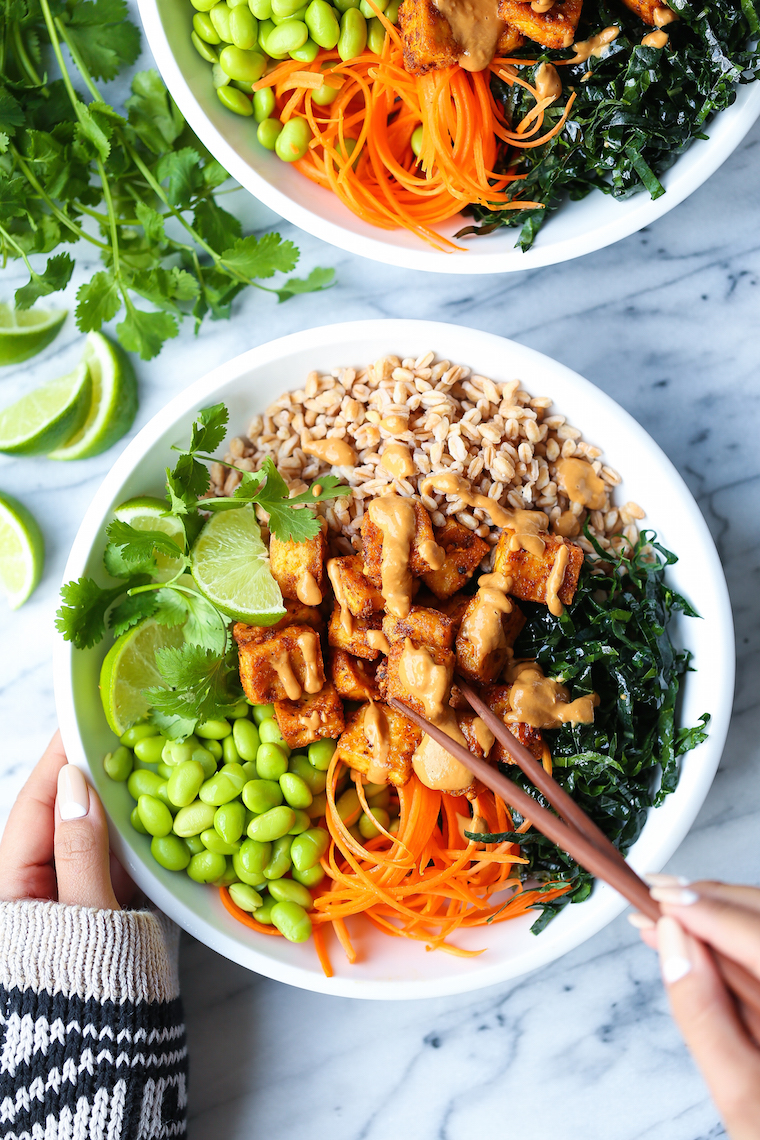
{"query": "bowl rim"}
(636, 212)
(90, 532)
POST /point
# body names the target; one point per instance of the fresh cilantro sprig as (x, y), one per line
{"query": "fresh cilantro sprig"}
(135, 184)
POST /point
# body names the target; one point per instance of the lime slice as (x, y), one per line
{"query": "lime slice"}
(130, 668)
(46, 417)
(147, 513)
(25, 332)
(230, 565)
(114, 401)
(22, 551)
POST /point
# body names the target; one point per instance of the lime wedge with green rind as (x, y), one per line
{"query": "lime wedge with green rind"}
(113, 405)
(230, 565)
(148, 513)
(130, 668)
(48, 416)
(22, 551)
(25, 332)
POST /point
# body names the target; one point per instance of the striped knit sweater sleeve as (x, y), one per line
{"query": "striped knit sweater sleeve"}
(92, 1040)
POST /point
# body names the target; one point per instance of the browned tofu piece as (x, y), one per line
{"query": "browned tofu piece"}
(358, 593)
(353, 677)
(466, 722)
(297, 614)
(264, 665)
(358, 641)
(497, 698)
(509, 40)
(372, 545)
(391, 682)
(314, 717)
(298, 565)
(427, 37)
(454, 607)
(553, 29)
(423, 626)
(471, 661)
(530, 572)
(464, 553)
(355, 750)
(647, 10)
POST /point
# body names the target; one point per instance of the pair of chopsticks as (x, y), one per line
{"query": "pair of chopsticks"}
(571, 830)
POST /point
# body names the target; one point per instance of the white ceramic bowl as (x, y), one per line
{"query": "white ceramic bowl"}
(393, 967)
(577, 228)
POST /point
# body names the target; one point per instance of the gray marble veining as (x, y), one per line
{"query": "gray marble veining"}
(667, 323)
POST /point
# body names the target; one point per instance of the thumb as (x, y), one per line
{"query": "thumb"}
(81, 844)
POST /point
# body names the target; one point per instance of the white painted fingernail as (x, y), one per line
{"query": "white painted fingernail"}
(660, 879)
(676, 896)
(73, 798)
(640, 921)
(673, 949)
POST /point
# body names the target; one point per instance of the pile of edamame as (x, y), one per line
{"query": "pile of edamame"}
(233, 806)
(239, 38)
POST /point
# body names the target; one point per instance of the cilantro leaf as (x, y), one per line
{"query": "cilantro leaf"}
(153, 115)
(201, 685)
(209, 429)
(261, 257)
(98, 301)
(182, 170)
(145, 333)
(103, 36)
(219, 228)
(131, 611)
(317, 280)
(331, 488)
(55, 276)
(81, 617)
(202, 623)
(138, 545)
(118, 567)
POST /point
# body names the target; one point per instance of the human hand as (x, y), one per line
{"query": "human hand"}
(725, 1046)
(55, 844)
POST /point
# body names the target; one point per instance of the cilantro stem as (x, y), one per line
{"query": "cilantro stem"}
(55, 211)
(23, 55)
(56, 44)
(7, 237)
(77, 58)
(111, 218)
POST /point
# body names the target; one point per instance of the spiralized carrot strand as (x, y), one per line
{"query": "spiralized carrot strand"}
(319, 945)
(242, 916)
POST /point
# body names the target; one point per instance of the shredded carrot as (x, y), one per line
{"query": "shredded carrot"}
(319, 945)
(243, 916)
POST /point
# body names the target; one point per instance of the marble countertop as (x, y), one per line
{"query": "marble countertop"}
(667, 323)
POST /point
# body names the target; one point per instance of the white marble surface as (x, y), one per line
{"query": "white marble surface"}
(667, 323)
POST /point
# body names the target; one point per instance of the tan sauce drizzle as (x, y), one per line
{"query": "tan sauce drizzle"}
(547, 81)
(663, 16)
(336, 452)
(377, 732)
(430, 684)
(283, 667)
(376, 639)
(346, 617)
(394, 516)
(312, 721)
(483, 627)
(307, 590)
(567, 525)
(555, 580)
(542, 6)
(656, 39)
(484, 736)
(528, 526)
(594, 46)
(581, 484)
(394, 424)
(476, 26)
(397, 460)
(542, 702)
(432, 553)
(309, 645)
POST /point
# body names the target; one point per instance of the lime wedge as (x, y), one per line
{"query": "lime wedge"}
(130, 668)
(46, 417)
(114, 401)
(147, 513)
(22, 551)
(25, 332)
(230, 565)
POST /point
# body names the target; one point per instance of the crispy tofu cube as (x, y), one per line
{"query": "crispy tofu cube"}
(355, 750)
(350, 583)
(454, 607)
(530, 572)
(298, 566)
(485, 667)
(497, 698)
(353, 677)
(427, 37)
(423, 626)
(296, 614)
(475, 737)
(358, 642)
(391, 682)
(464, 553)
(269, 669)
(553, 29)
(315, 716)
(510, 40)
(647, 10)
(372, 549)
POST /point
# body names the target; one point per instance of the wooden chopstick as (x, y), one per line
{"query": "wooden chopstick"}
(598, 862)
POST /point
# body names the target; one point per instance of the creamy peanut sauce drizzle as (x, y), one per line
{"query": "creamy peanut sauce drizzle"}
(377, 733)
(548, 83)
(581, 483)
(555, 580)
(483, 626)
(567, 525)
(307, 590)
(663, 16)
(483, 735)
(282, 664)
(397, 460)
(430, 684)
(394, 515)
(527, 526)
(346, 617)
(656, 39)
(595, 45)
(312, 721)
(336, 452)
(476, 26)
(542, 702)
(376, 639)
(542, 6)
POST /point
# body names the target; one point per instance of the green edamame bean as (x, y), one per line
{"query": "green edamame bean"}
(154, 815)
(295, 790)
(262, 712)
(229, 877)
(264, 913)
(163, 770)
(224, 786)
(311, 776)
(184, 783)
(346, 148)
(261, 9)
(205, 51)
(322, 24)
(263, 105)
(284, 8)
(279, 862)
(321, 752)
(368, 825)
(344, 5)
(229, 821)
(349, 807)
(261, 795)
(303, 823)
(370, 13)
(266, 27)
(139, 731)
(149, 749)
(273, 824)
(244, 30)
(203, 5)
(297, 15)
(212, 841)
(416, 141)
(220, 18)
(310, 878)
(307, 849)
(318, 806)
(193, 819)
(324, 95)
(353, 34)
(375, 35)
(381, 798)
(143, 782)
(118, 764)
(284, 38)
(250, 770)
(391, 12)
(253, 857)
(250, 878)
(245, 897)
(136, 822)
(306, 54)
(170, 852)
(203, 27)
(207, 761)
(268, 133)
(271, 761)
(215, 748)
(194, 844)
(246, 67)
(269, 733)
(244, 733)
(177, 751)
(237, 4)
(292, 921)
(293, 141)
(230, 753)
(218, 729)
(207, 867)
(286, 890)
